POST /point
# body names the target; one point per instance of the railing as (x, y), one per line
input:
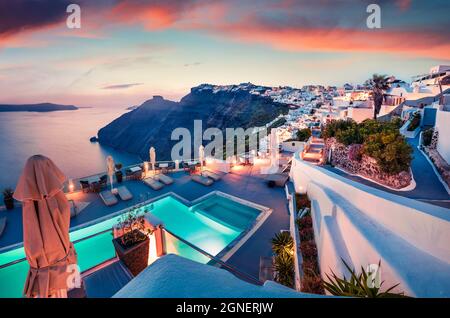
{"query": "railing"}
(74, 242)
(212, 258)
(244, 276)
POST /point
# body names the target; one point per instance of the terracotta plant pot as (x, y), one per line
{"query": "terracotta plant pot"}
(135, 257)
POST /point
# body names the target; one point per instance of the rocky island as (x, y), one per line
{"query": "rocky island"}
(152, 123)
(42, 107)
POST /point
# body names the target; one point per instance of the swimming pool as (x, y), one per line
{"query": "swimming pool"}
(212, 223)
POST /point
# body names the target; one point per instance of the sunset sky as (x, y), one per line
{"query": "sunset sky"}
(127, 51)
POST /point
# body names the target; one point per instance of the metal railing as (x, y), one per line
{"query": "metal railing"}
(20, 260)
(228, 267)
(247, 277)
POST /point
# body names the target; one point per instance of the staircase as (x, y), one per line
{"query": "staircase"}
(313, 151)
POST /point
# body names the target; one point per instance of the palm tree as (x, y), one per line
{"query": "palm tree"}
(378, 83)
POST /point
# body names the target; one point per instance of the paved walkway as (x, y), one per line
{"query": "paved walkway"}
(428, 187)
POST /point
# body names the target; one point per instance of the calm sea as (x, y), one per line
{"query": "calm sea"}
(62, 136)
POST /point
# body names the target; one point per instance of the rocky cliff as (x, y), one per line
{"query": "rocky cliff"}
(152, 123)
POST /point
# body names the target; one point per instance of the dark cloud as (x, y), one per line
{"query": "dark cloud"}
(22, 15)
(121, 86)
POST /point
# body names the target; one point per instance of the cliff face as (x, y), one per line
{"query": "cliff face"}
(152, 123)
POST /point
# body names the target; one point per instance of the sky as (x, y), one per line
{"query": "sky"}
(127, 51)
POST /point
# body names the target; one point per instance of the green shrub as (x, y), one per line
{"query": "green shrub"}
(381, 141)
(349, 136)
(427, 136)
(390, 150)
(303, 134)
(304, 222)
(284, 270)
(283, 244)
(415, 122)
(302, 201)
(333, 127)
(357, 286)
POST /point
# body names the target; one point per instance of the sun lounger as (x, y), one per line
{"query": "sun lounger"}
(124, 193)
(202, 180)
(164, 179)
(212, 175)
(108, 197)
(152, 183)
(2, 225)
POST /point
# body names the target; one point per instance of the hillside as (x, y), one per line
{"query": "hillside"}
(152, 123)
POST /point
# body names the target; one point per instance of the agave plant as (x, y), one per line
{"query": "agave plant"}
(283, 244)
(358, 285)
(284, 269)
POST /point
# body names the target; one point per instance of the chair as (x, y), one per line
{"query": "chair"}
(96, 187)
(152, 183)
(103, 181)
(202, 180)
(164, 179)
(124, 193)
(108, 198)
(2, 225)
(85, 187)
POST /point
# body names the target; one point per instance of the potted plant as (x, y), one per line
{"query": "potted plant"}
(132, 246)
(119, 174)
(8, 198)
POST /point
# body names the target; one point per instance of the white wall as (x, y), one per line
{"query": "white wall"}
(443, 126)
(364, 225)
(360, 114)
(293, 146)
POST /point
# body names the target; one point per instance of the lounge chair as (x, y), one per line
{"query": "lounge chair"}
(202, 180)
(85, 186)
(152, 183)
(108, 197)
(164, 179)
(124, 193)
(2, 225)
(212, 175)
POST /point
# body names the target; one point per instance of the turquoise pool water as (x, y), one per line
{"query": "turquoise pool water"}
(210, 225)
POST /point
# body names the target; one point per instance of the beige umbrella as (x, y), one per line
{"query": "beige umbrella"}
(110, 169)
(201, 156)
(153, 158)
(46, 221)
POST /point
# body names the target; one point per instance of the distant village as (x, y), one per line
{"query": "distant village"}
(313, 105)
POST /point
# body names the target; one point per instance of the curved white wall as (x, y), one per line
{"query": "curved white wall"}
(443, 126)
(364, 225)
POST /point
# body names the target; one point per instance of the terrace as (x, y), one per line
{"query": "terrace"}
(243, 181)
